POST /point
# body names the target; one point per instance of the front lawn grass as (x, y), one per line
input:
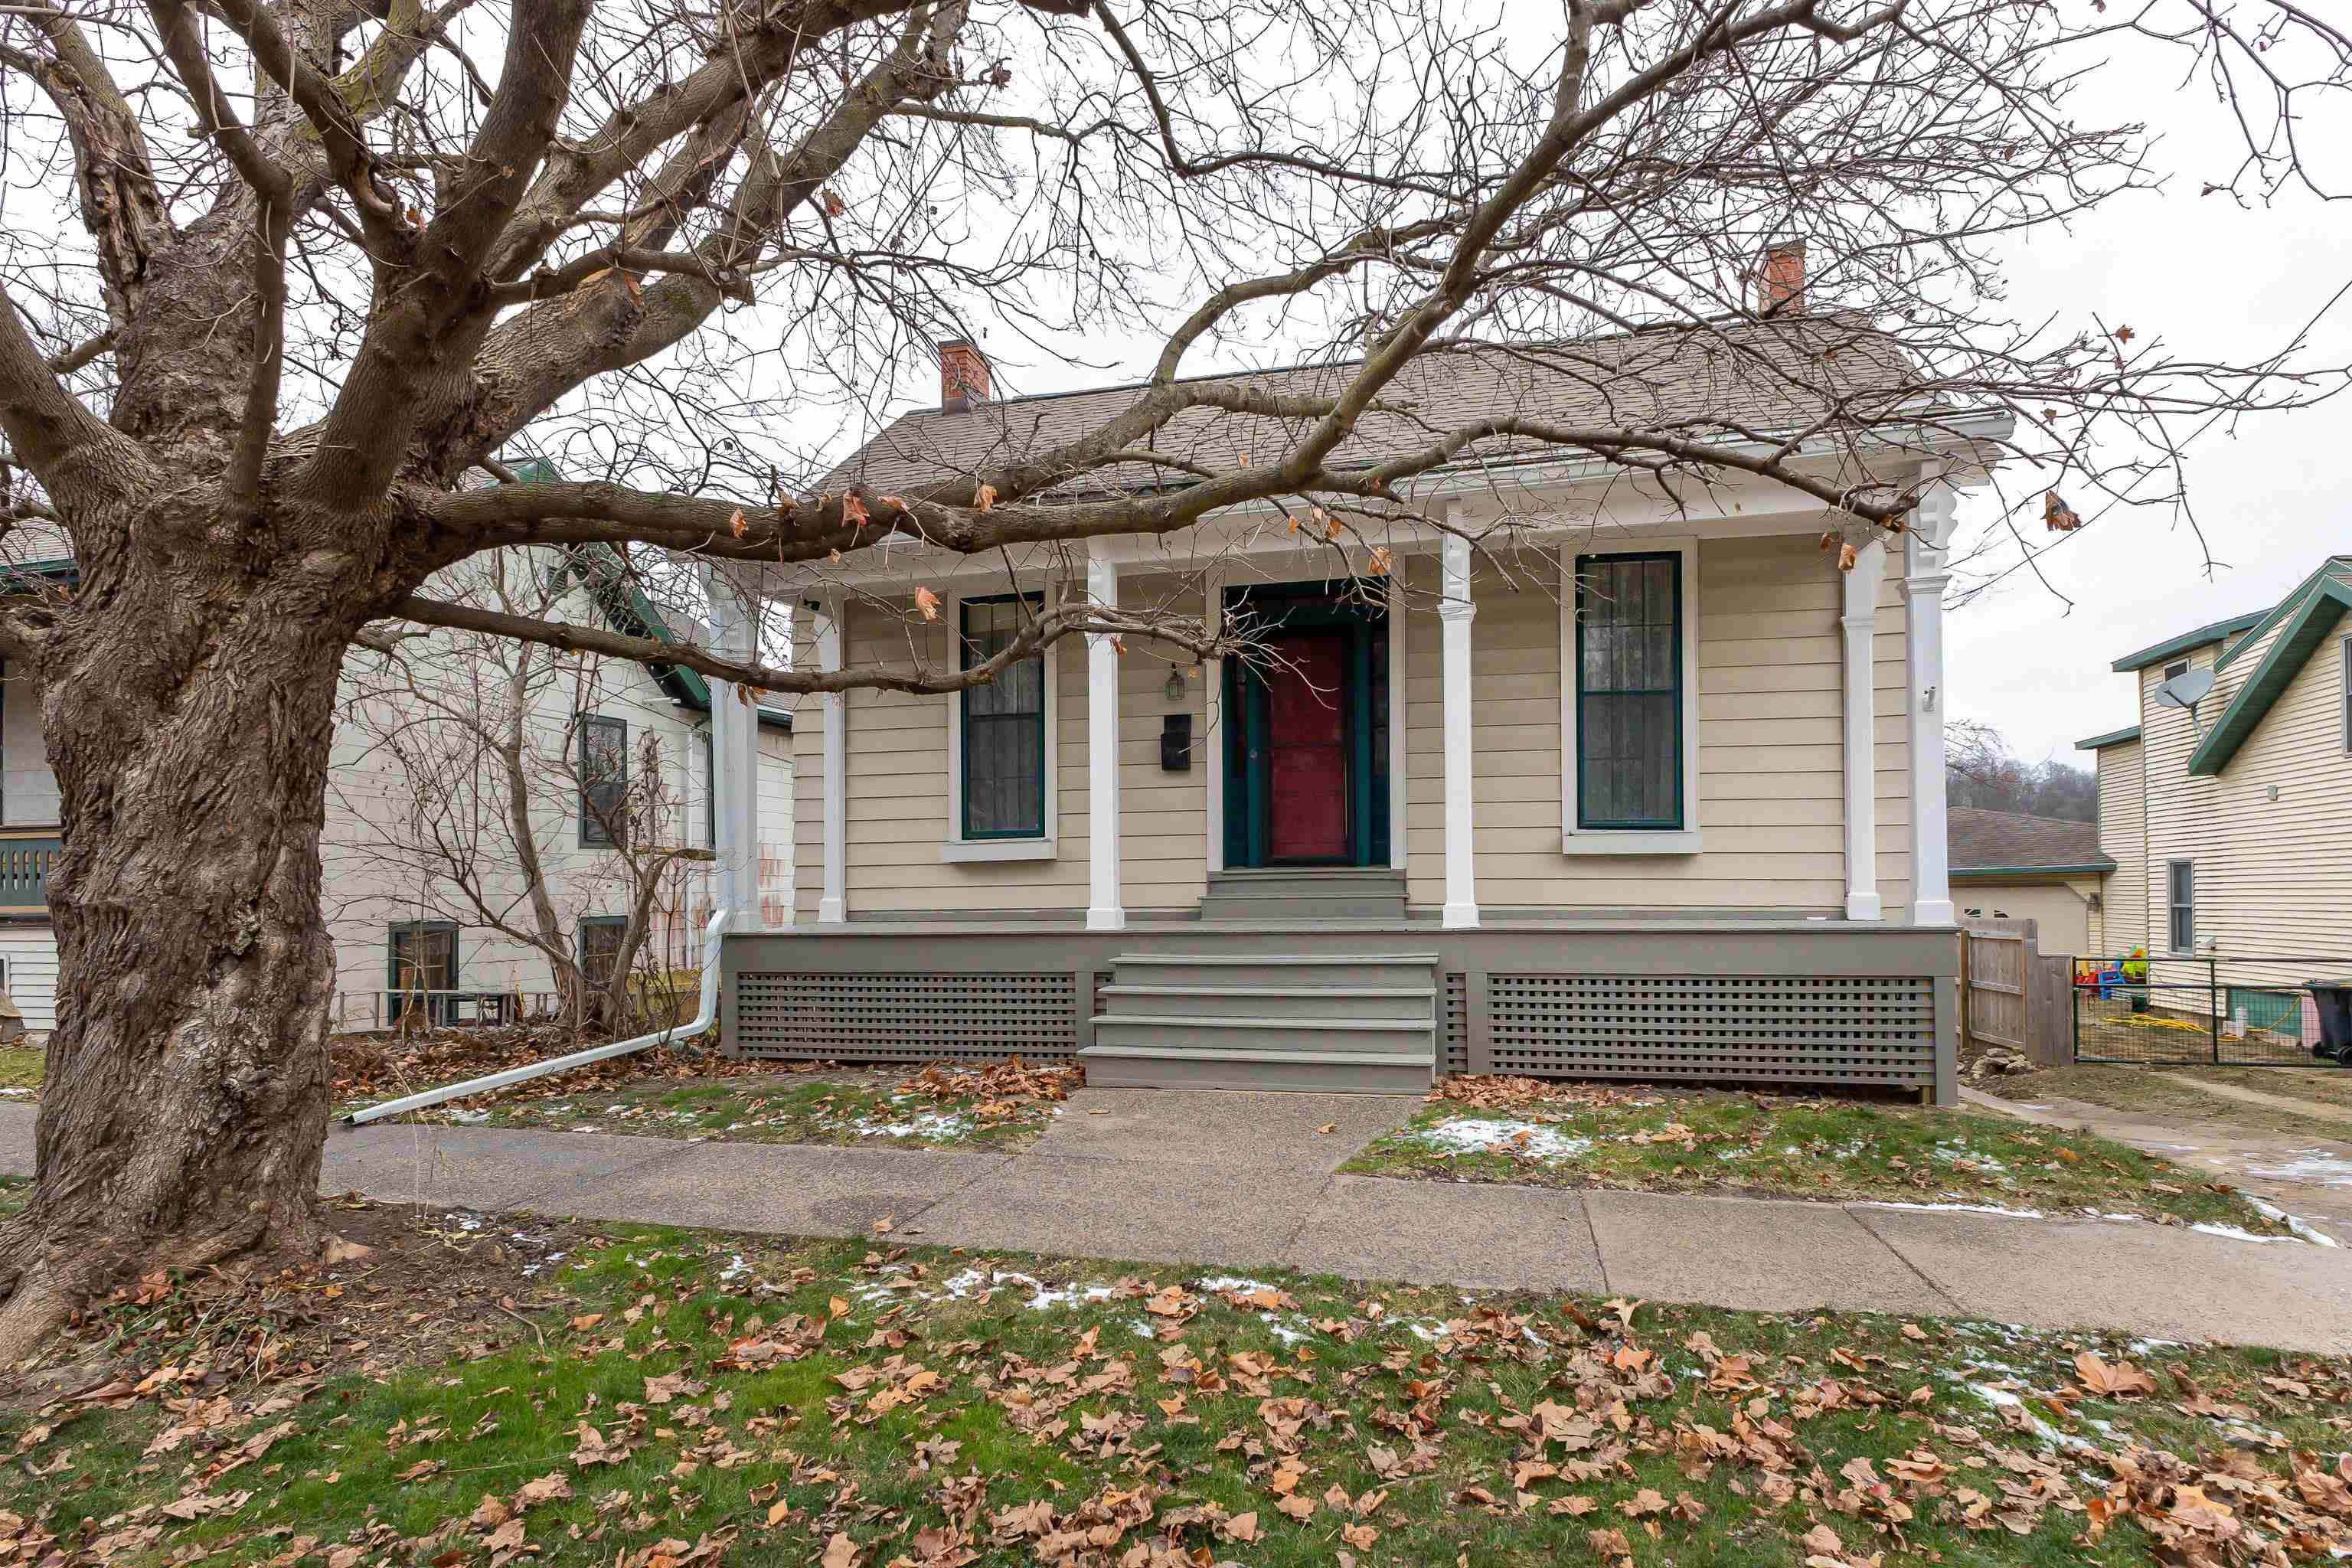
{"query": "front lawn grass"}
(947, 1106)
(1776, 1145)
(658, 1399)
(20, 1069)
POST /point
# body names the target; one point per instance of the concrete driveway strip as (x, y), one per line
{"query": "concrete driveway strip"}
(17, 1122)
(1430, 1233)
(1221, 1128)
(2163, 1281)
(479, 1167)
(1752, 1254)
(1123, 1209)
(787, 1189)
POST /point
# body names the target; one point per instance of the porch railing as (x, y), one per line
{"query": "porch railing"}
(27, 857)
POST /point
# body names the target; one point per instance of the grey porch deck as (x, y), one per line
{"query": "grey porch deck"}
(1794, 1002)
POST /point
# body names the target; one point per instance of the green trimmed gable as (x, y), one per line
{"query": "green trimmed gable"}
(2304, 621)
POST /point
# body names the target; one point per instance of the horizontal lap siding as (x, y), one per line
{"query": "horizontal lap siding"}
(2272, 877)
(1162, 816)
(2121, 923)
(899, 796)
(32, 954)
(1770, 742)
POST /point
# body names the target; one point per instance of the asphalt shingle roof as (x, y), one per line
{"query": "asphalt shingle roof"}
(1697, 381)
(2010, 840)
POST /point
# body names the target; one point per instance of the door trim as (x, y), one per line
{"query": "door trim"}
(1375, 832)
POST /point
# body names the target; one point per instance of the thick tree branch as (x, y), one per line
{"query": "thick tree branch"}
(76, 455)
(121, 206)
(1053, 623)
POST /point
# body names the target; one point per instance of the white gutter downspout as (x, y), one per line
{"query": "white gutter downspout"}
(704, 1017)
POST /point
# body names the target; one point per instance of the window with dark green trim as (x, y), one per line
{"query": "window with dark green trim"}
(599, 943)
(603, 781)
(1004, 725)
(2347, 692)
(1629, 690)
(2181, 899)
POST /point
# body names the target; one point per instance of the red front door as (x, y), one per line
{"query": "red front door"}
(1306, 749)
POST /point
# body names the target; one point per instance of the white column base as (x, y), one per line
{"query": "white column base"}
(1864, 907)
(1933, 912)
(1105, 920)
(1461, 917)
(830, 911)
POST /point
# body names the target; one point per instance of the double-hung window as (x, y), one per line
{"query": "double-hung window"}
(603, 781)
(2347, 649)
(1629, 676)
(2180, 905)
(1002, 791)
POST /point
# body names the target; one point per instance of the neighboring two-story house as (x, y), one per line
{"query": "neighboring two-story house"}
(402, 936)
(2228, 824)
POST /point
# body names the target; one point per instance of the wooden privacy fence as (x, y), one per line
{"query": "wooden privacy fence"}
(2012, 994)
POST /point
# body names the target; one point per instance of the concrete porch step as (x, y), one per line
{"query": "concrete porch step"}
(1344, 1072)
(1383, 1038)
(1288, 972)
(1407, 1003)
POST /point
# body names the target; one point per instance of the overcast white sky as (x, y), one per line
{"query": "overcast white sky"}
(2198, 275)
(2272, 498)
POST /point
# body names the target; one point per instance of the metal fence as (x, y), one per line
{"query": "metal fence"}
(2218, 1010)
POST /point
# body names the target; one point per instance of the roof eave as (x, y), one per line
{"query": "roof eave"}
(2129, 732)
(2185, 641)
(1988, 873)
(2297, 640)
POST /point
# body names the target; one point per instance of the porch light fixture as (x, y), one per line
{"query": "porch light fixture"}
(1174, 690)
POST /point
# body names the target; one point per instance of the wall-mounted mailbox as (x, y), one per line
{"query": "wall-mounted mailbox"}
(1176, 743)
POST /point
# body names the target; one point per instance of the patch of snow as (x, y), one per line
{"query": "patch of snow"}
(929, 1124)
(16, 1091)
(1477, 1135)
(1954, 1209)
(1237, 1284)
(2311, 1167)
(468, 1116)
(736, 1269)
(2238, 1233)
(1042, 1297)
(1143, 1329)
(2300, 1227)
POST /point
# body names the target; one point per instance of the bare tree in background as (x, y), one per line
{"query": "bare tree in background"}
(1980, 771)
(480, 790)
(329, 257)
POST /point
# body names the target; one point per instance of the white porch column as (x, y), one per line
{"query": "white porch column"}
(1860, 625)
(1455, 610)
(735, 604)
(833, 899)
(1105, 908)
(1923, 593)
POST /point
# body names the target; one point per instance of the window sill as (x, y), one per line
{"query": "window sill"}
(960, 852)
(1631, 841)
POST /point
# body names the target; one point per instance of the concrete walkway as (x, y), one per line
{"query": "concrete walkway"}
(1240, 1180)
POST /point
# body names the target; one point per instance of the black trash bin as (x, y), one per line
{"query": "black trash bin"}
(2333, 998)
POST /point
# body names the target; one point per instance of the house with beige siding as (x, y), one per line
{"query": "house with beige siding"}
(2228, 822)
(1548, 772)
(2008, 867)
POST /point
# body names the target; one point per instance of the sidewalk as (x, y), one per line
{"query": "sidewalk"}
(1241, 1180)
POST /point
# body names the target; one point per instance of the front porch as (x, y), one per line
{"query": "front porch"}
(1271, 1004)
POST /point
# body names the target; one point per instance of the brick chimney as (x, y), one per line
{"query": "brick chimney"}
(963, 375)
(1781, 280)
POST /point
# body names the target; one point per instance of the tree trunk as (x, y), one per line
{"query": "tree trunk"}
(189, 714)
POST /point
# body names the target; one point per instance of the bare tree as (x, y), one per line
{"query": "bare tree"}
(484, 789)
(1980, 771)
(329, 257)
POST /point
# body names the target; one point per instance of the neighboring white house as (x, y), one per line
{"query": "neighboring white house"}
(2230, 826)
(1654, 790)
(384, 922)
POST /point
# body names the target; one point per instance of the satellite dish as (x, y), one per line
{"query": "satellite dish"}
(2184, 691)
